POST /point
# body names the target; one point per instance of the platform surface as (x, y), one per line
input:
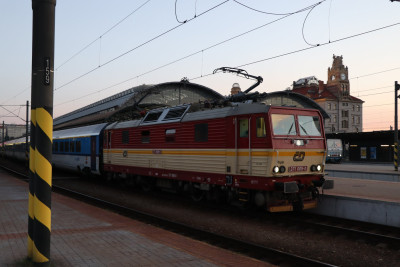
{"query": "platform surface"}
(364, 188)
(84, 235)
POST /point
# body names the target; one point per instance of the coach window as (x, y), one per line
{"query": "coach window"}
(170, 135)
(125, 137)
(55, 146)
(78, 146)
(61, 146)
(244, 127)
(145, 137)
(66, 146)
(261, 132)
(72, 146)
(201, 132)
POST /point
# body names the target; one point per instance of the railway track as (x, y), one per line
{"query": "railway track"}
(253, 250)
(370, 233)
(382, 236)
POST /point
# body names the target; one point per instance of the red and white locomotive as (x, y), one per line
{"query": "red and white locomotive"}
(246, 153)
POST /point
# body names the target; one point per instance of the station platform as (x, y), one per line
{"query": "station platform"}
(362, 192)
(368, 171)
(84, 235)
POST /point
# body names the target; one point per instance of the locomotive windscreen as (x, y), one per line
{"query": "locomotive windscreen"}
(309, 125)
(283, 124)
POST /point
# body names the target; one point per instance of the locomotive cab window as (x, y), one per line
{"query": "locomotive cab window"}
(283, 124)
(244, 127)
(201, 132)
(170, 135)
(261, 132)
(309, 125)
(145, 137)
(125, 137)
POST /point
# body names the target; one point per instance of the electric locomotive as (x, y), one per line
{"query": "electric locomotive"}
(272, 157)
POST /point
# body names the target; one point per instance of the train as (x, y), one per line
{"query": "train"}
(247, 154)
(334, 150)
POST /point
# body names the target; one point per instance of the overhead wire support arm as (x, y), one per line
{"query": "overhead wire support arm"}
(243, 73)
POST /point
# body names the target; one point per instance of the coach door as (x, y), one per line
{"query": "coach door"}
(93, 152)
(243, 147)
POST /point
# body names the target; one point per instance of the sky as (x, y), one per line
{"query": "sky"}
(105, 47)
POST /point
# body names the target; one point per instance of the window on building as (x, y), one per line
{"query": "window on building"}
(201, 132)
(125, 137)
(354, 108)
(334, 118)
(352, 119)
(358, 108)
(335, 107)
(244, 127)
(345, 113)
(329, 106)
(358, 120)
(345, 124)
(261, 132)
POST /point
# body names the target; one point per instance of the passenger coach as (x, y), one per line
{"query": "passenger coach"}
(79, 149)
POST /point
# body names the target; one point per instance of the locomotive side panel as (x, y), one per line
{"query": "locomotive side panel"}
(190, 146)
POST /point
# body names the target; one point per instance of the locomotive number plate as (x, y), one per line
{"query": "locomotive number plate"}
(297, 169)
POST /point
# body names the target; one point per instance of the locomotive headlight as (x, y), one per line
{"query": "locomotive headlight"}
(298, 142)
(282, 169)
(319, 167)
(313, 168)
(275, 169)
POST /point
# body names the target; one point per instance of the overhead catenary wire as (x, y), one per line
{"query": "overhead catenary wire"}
(142, 44)
(279, 14)
(311, 47)
(195, 53)
(103, 34)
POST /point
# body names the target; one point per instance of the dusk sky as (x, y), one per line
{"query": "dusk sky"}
(105, 47)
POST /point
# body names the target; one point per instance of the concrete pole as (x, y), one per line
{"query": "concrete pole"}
(27, 132)
(396, 131)
(42, 109)
(3, 140)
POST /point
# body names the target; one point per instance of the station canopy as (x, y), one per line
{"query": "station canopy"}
(134, 102)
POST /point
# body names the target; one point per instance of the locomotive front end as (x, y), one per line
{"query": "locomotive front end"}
(298, 159)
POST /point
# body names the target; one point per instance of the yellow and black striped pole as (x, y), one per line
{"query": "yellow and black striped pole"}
(42, 110)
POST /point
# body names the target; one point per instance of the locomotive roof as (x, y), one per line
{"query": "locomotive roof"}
(89, 130)
(237, 109)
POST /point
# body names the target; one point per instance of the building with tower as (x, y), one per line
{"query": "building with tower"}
(345, 110)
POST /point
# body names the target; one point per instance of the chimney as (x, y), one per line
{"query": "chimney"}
(320, 87)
